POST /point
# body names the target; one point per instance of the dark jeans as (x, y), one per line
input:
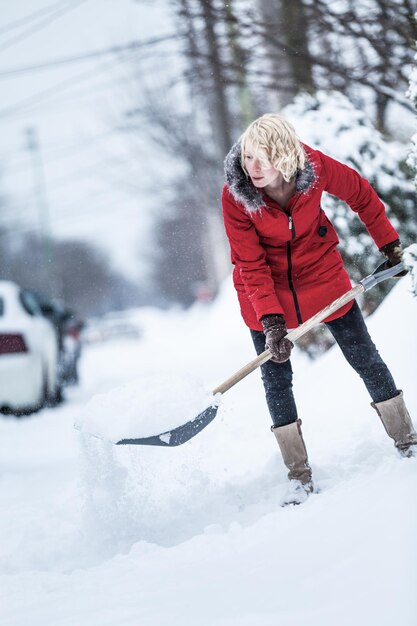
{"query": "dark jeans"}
(351, 333)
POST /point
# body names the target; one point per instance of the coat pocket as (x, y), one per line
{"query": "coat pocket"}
(325, 231)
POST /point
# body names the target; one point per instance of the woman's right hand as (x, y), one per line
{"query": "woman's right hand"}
(275, 330)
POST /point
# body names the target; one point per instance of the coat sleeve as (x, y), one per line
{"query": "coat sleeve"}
(249, 258)
(347, 184)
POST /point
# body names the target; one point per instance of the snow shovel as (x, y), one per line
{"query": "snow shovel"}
(181, 434)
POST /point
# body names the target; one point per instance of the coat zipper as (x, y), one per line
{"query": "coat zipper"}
(291, 284)
(289, 261)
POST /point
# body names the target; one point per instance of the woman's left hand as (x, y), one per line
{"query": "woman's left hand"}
(394, 253)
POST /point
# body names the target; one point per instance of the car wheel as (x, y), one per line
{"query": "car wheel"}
(56, 396)
(43, 396)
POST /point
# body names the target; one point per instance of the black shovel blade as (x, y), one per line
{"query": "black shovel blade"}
(176, 436)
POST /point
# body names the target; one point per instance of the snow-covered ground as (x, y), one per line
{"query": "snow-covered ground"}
(93, 534)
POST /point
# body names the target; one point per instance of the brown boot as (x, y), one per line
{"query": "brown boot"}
(397, 422)
(294, 454)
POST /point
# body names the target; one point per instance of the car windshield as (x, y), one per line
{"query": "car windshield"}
(29, 303)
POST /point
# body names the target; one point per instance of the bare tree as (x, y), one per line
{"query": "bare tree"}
(237, 58)
(364, 45)
(284, 31)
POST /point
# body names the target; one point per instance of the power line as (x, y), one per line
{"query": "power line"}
(40, 25)
(61, 151)
(50, 91)
(86, 171)
(130, 47)
(20, 108)
(72, 211)
(32, 16)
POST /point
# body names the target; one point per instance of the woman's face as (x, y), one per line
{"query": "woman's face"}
(262, 173)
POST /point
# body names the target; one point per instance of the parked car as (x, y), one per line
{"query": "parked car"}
(28, 353)
(112, 326)
(68, 332)
(72, 344)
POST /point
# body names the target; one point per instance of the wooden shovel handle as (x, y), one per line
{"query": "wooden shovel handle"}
(293, 335)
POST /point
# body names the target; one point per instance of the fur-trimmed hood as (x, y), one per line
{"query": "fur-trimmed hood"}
(242, 189)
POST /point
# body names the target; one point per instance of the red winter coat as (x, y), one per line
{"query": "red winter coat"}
(286, 261)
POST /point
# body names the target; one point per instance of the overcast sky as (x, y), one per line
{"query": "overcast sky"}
(97, 187)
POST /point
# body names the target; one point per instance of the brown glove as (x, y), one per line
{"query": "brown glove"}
(394, 252)
(275, 331)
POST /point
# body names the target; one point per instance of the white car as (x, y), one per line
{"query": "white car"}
(28, 353)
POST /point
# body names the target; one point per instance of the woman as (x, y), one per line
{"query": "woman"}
(287, 268)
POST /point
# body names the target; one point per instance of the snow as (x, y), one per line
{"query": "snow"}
(410, 261)
(135, 409)
(330, 122)
(96, 534)
(412, 96)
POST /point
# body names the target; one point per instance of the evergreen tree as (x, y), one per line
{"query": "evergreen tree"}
(332, 124)
(412, 94)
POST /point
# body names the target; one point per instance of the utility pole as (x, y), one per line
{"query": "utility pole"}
(44, 217)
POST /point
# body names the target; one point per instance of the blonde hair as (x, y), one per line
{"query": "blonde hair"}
(273, 140)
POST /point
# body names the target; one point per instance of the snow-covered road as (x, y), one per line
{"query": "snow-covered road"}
(93, 534)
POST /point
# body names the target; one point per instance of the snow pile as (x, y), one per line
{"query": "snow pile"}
(145, 406)
(412, 95)
(350, 137)
(410, 261)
